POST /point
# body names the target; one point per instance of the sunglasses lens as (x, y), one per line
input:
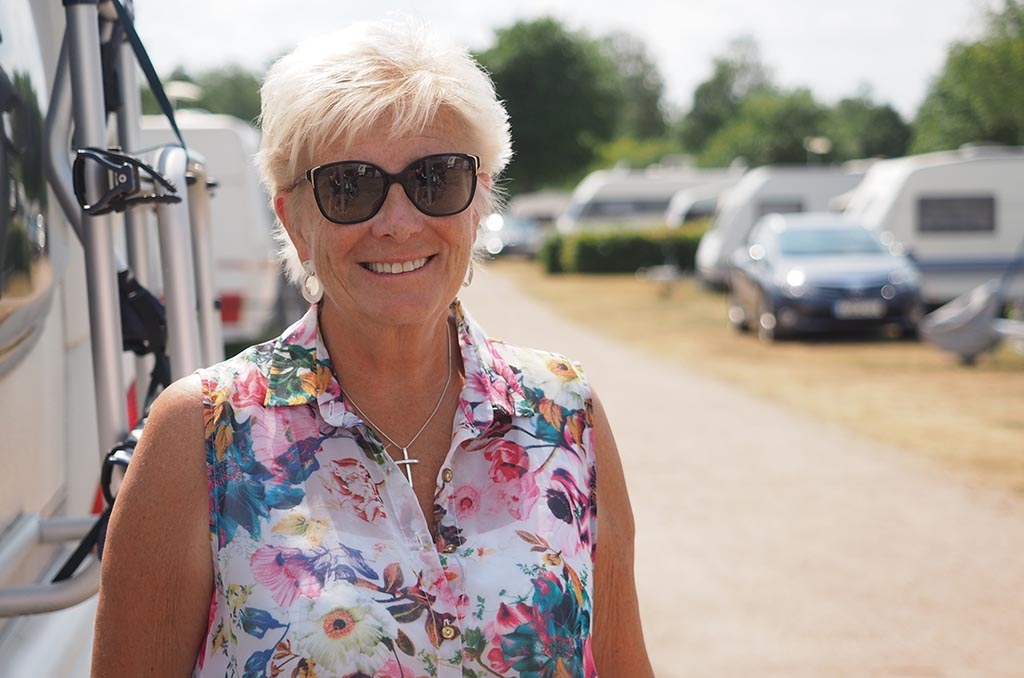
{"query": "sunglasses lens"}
(438, 185)
(441, 185)
(349, 192)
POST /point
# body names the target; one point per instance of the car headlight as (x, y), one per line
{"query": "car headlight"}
(905, 277)
(795, 283)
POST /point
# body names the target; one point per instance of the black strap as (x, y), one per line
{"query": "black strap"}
(147, 68)
(84, 547)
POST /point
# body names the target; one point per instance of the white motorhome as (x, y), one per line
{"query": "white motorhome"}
(247, 275)
(68, 390)
(959, 214)
(766, 190)
(50, 444)
(630, 198)
(697, 202)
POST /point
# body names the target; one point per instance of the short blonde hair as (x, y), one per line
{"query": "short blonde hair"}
(332, 89)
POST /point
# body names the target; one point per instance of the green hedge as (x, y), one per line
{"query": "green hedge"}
(620, 251)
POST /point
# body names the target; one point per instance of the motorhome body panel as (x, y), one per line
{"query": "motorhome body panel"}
(50, 449)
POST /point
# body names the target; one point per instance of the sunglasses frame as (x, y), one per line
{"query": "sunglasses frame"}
(398, 178)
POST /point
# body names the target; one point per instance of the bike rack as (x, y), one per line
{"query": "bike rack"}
(194, 337)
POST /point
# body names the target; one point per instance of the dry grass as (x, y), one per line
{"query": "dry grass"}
(906, 393)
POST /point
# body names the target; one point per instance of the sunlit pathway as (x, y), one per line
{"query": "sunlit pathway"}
(773, 546)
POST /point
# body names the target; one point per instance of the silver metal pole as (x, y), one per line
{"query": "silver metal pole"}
(136, 234)
(210, 333)
(176, 265)
(83, 44)
(58, 139)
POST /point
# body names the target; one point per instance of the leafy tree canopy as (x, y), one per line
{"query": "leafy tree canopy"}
(978, 96)
(561, 94)
(716, 101)
(769, 128)
(859, 128)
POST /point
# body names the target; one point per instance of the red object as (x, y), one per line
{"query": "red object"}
(230, 308)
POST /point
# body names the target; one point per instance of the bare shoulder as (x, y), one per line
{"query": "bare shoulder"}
(157, 577)
(170, 458)
(619, 648)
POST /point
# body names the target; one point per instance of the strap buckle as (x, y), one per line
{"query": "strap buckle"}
(125, 178)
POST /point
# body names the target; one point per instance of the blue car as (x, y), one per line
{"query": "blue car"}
(821, 273)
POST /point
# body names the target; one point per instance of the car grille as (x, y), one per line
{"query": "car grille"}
(863, 291)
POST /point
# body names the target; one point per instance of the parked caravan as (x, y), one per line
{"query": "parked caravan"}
(630, 198)
(697, 202)
(761, 191)
(70, 392)
(959, 214)
(247, 275)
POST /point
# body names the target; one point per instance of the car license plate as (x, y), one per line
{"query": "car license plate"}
(859, 308)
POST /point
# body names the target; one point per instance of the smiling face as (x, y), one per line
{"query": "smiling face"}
(400, 267)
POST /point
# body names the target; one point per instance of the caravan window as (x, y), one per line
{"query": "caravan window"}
(624, 207)
(956, 215)
(777, 206)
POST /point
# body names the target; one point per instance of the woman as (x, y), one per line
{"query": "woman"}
(382, 490)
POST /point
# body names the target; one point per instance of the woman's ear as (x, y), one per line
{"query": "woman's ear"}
(284, 213)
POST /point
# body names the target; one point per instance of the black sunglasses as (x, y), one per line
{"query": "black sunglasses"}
(352, 191)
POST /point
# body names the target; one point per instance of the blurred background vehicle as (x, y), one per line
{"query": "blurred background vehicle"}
(959, 214)
(631, 198)
(821, 272)
(542, 207)
(766, 190)
(697, 202)
(246, 273)
(505, 234)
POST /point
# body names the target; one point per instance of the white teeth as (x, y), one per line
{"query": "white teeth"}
(393, 268)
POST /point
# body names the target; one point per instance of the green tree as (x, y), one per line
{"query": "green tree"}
(561, 102)
(769, 128)
(978, 96)
(859, 128)
(231, 90)
(641, 87)
(717, 100)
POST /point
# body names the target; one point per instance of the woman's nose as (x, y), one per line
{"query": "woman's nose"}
(398, 217)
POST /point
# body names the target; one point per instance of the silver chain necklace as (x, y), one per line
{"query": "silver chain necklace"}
(406, 461)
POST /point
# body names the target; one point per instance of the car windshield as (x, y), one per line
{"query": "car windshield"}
(828, 241)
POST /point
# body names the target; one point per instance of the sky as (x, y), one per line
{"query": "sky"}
(889, 49)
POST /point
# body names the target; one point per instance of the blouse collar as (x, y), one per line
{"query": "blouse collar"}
(300, 373)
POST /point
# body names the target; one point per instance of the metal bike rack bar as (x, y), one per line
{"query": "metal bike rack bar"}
(97, 232)
(176, 251)
(26, 533)
(210, 335)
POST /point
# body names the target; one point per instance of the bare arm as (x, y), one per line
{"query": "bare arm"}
(157, 576)
(619, 648)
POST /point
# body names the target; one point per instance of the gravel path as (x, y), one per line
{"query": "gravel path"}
(771, 545)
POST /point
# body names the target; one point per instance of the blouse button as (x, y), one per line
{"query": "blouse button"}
(447, 632)
(447, 475)
(449, 548)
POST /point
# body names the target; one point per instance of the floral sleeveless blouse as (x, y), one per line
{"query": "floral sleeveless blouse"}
(323, 562)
